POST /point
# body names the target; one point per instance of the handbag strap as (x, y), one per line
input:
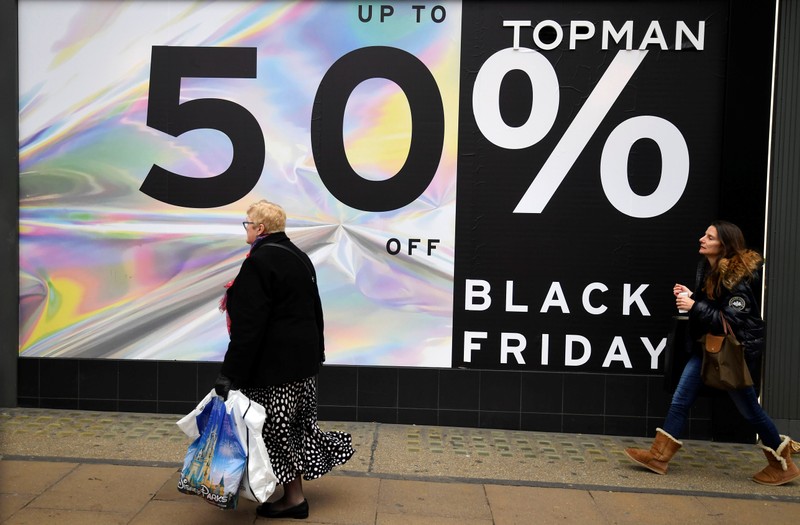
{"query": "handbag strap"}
(310, 272)
(725, 326)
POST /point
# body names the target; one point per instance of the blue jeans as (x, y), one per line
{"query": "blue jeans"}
(746, 402)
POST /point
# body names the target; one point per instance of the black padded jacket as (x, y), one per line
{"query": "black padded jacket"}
(737, 301)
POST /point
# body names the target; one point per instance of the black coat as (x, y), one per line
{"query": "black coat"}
(739, 304)
(276, 317)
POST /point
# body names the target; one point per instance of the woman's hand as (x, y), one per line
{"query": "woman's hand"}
(683, 300)
(222, 386)
(684, 303)
(679, 289)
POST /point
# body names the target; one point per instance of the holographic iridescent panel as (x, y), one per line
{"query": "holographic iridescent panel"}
(108, 272)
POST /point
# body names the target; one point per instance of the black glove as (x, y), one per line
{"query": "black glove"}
(222, 386)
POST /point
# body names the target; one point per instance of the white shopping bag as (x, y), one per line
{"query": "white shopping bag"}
(258, 481)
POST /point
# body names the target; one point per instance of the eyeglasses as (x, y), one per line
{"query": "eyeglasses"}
(245, 223)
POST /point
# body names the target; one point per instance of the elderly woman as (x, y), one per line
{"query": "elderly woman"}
(275, 351)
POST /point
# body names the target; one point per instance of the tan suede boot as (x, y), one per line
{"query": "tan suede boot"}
(661, 451)
(781, 469)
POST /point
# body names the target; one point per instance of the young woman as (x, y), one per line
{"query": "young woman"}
(275, 350)
(723, 288)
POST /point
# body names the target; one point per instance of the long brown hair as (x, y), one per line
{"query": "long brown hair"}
(733, 245)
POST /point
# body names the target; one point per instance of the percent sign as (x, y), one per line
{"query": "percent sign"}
(614, 158)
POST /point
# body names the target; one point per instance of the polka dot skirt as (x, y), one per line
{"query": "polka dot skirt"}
(294, 441)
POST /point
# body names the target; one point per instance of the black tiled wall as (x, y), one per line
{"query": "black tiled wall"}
(632, 405)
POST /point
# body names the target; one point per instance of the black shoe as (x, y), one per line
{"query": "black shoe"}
(298, 512)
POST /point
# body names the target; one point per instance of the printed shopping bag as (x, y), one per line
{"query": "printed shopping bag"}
(258, 481)
(215, 461)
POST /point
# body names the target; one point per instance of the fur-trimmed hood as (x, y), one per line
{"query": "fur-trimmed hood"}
(739, 267)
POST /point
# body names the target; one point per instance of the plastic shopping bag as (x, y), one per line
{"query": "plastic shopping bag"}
(246, 418)
(259, 481)
(215, 461)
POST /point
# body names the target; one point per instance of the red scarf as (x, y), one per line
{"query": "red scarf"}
(223, 302)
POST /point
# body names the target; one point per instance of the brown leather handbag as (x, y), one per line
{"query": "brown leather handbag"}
(723, 365)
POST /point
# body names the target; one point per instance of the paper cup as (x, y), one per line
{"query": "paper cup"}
(683, 294)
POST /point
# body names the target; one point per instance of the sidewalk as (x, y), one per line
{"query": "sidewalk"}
(69, 466)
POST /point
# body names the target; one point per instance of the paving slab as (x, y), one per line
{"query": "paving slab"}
(749, 512)
(434, 500)
(31, 477)
(525, 505)
(104, 488)
(32, 516)
(192, 512)
(23, 481)
(409, 519)
(169, 490)
(653, 509)
(342, 500)
(11, 503)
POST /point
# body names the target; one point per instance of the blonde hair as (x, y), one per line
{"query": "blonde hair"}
(269, 214)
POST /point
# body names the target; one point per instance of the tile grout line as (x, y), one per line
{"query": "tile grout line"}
(373, 448)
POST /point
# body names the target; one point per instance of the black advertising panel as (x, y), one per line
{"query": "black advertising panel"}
(589, 163)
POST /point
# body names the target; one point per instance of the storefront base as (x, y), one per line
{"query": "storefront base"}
(627, 405)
